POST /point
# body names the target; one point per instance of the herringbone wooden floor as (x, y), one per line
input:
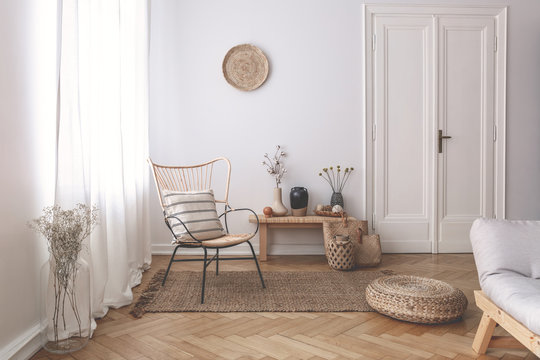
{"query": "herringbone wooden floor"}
(295, 335)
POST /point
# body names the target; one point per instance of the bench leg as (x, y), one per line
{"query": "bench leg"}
(263, 233)
(483, 334)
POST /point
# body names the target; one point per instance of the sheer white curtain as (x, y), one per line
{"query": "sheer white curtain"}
(102, 142)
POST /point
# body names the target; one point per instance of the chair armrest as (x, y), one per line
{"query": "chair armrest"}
(230, 210)
(182, 223)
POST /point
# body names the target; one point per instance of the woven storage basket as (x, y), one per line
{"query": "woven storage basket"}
(416, 299)
(340, 253)
(367, 248)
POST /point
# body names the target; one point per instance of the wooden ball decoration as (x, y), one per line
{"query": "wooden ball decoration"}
(267, 211)
(337, 209)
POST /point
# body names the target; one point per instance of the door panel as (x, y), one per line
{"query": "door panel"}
(403, 107)
(466, 109)
(431, 71)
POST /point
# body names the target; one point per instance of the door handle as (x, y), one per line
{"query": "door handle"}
(441, 137)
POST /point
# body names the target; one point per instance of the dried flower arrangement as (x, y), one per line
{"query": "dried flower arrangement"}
(337, 179)
(274, 165)
(65, 231)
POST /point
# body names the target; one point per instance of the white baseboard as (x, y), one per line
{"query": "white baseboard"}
(24, 346)
(296, 249)
(277, 249)
(404, 247)
(164, 249)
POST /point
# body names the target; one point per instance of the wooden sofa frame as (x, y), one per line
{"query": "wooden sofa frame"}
(493, 316)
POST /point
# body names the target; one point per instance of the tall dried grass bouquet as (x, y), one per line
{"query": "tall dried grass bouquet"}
(65, 231)
(337, 179)
(274, 165)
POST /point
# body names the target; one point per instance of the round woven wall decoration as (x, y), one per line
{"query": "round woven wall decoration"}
(245, 67)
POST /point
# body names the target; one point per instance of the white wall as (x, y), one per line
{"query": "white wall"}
(312, 102)
(27, 108)
(523, 111)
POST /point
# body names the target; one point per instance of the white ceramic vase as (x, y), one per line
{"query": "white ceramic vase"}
(278, 209)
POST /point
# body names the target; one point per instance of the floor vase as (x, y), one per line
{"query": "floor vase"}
(65, 305)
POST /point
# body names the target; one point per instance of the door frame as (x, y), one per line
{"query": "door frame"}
(499, 13)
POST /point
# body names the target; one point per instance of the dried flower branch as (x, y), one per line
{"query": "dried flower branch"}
(65, 231)
(337, 179)
(274, 165)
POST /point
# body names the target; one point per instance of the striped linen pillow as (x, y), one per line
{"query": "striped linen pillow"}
(196, 209)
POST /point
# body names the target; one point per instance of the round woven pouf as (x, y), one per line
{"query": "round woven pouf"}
(416, 299)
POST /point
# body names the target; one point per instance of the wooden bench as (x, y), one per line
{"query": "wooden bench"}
(287, 222)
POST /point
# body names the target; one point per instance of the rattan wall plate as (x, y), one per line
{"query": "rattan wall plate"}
(245, 67)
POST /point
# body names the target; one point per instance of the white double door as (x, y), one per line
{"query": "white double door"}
(434, 109)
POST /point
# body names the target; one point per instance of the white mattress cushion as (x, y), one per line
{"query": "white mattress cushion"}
(507, 256)
(518, 295)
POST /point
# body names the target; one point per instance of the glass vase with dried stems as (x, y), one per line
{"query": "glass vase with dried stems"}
(65, 305)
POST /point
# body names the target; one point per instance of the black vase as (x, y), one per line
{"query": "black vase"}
(299, 201)
(337, 199)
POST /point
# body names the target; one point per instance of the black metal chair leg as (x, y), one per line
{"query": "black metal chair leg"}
(169, 267)
(217, 262)
(257, 263)
(204, 275)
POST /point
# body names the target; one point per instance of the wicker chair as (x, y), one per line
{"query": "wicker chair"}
(184, 179)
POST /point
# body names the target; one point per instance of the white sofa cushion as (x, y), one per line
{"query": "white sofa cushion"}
(518, 295)
(507, 256)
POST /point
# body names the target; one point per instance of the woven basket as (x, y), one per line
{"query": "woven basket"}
(416, 299)
(368, 251)
(245, 67)
(351, 228)
(340, 253)
(330, 213)
(367, 248)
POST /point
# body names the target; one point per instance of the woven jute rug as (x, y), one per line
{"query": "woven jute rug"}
(241, 291)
